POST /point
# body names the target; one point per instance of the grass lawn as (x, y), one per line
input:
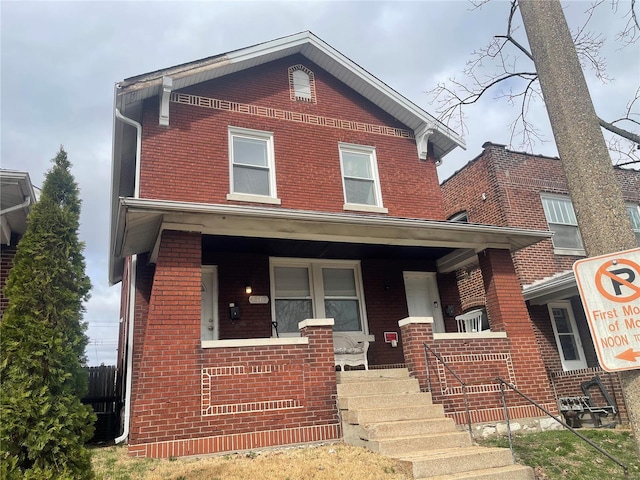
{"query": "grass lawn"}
(554, 455)
(561, 455)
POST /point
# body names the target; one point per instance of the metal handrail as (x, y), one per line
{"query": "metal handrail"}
(540, 407)
(464, 385)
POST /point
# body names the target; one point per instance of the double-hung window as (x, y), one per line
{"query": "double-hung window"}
(566, 335)
(563, 223)
(634, 215)
(360, 180)
(251, 166)
(304, 289)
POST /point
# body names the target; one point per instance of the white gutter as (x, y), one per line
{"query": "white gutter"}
(133, 123)
(24, 204)
(132, 286)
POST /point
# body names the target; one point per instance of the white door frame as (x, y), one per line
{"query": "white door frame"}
(431, 294)
(209, 324)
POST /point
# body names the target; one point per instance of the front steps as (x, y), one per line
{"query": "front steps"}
(384, 411)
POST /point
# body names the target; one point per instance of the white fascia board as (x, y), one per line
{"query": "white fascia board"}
(499, 237)
(565, 282)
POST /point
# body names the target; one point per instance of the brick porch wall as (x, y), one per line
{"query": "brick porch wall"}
(189, 400)
(478, 362)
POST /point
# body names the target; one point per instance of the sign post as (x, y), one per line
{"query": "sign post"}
(609, 287)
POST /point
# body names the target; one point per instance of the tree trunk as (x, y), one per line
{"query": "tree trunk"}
(600, 208)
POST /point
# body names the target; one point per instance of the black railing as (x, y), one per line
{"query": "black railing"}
(540, 407)
(462, 383)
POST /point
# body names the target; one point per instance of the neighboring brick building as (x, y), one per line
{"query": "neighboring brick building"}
(262, 196)
(515, 189)
(16, 197)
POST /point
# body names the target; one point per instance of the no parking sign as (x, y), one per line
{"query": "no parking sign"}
(609, 287)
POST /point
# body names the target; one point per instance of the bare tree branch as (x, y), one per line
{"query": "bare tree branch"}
(493, 64)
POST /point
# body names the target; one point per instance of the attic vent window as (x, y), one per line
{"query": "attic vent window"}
(302, 85)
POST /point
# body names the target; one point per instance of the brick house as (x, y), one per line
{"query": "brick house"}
(265, 198)
(515, 189)
(16, 197)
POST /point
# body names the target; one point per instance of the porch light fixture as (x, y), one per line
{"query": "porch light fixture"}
(248, 289)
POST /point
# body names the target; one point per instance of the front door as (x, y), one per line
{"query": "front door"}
(209, 308)
(423, 299)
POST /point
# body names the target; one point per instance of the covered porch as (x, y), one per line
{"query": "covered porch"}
(211, 280)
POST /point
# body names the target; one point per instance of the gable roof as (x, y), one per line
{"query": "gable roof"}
(130, 94)
(134, 90)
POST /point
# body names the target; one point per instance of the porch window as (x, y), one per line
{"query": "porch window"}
(304, 289)
(563, 223)
(252, 168)
(360, 180)
(567, 336)
(634, 215)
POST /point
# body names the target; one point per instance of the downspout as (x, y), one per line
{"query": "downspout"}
(132, 286)
(24, 204)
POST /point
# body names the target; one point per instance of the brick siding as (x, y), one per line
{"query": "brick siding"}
(189, 160)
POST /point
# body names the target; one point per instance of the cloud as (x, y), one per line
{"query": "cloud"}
(60, 61)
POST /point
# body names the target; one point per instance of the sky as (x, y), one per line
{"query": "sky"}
(60, 62)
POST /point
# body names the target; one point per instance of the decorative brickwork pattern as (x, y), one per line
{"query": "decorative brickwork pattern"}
(235, 442)
(312, 84)
(495, 362)
(290, 116)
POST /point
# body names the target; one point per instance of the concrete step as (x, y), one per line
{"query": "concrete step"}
(406, 428)
(400, 446)
(510, 472)
(369, 375)
(380, 387)
(392, 414)
(379, 401)
(455, 461)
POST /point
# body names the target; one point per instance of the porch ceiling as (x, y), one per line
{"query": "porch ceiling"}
(140, 222)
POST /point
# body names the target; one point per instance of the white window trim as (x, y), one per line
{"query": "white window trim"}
(247, 197)
(371, 151)
(561, 250)
(567, 365)
(637, 207)
(316, 286)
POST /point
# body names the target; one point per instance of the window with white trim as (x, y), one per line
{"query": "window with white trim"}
(562, 221)
(634, 215)
(251, 166)
(567, 336)
(360, 181)
(303, 289)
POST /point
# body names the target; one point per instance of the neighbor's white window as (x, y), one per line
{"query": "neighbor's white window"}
(567, 336)
(304, 289)
(252, 166)
(563, 223)
(360, 180)
(634, 216)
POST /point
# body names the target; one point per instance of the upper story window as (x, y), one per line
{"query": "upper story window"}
(251, 166)
(304, 289)
(461, 217)
(360, 180)
(563, 223)
(302, 85)
(634, 216)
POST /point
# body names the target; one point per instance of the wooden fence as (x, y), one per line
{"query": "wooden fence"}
(102, 396)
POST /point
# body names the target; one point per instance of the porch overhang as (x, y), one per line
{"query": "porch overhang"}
(558, 287)
(140, 223)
